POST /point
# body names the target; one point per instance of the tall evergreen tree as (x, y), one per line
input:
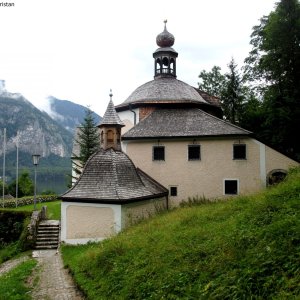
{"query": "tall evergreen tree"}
(233, 94)
(275, 60)
(87, 140)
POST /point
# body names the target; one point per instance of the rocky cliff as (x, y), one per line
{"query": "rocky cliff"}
(37, 131)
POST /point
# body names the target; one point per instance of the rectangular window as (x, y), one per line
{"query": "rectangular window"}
(173, 191)
(194, 152)
(158, 153)
(231, 186)
(239, 151)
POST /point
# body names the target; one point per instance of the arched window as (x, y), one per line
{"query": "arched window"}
(165, 62)
(172, 64)
(276, 176)
(110, 136)
(102, 138)
(158, 66)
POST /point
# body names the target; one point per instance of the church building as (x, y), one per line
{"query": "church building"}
(174, 145)
(176, 134)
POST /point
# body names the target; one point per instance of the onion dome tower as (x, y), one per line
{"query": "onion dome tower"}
(110, 128)
(165, 90)
(165, 56)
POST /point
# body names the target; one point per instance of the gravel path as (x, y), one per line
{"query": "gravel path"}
(10, 264)
(54, 281)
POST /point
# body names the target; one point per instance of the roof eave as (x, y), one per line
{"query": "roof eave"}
(113, 201)
(135, 104)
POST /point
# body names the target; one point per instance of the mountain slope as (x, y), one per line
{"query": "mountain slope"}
(68, 114)
(37, 131)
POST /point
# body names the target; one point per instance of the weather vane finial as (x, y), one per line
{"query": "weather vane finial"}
(110, 94)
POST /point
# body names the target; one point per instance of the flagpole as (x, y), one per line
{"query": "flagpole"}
(3, 178)
(17, 170)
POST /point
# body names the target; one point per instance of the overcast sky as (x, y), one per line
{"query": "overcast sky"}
(78, 50)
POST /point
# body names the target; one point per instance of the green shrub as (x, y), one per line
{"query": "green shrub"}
(196, 200)
(29, 200)
(11, 225)
(13, 233)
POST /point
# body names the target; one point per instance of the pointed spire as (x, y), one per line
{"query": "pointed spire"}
(110, 128)
(111, 117)
(165, 21)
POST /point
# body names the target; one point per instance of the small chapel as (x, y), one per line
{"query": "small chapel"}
(111, 192)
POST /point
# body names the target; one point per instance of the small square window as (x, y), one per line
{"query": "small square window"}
(173, 191)
(239, 151)
(194, 152)
(231, 187)
(158, 153)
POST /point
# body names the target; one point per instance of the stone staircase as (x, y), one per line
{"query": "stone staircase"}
(48, 235)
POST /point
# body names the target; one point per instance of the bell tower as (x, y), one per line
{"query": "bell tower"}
(165, 56)
(110, 128)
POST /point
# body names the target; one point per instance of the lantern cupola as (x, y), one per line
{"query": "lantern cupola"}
(165, 56)
(110, 128)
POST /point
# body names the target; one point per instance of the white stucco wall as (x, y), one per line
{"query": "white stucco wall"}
(83, 222)
(134, 212)
(127, 117)
(206, 176)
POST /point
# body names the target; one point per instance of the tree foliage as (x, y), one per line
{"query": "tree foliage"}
(230, 88)
(275, 60)
(1, 187)
(233, 94)
(25, 186)
(265, 99)
(87, 140)
(212, 82)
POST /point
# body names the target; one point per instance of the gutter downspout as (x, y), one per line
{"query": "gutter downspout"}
(167, 202)
(134, 118)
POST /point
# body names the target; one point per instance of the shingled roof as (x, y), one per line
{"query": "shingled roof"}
(110, 176)
(170, 123)
(164, 90)
(111, 117)
(213, 100)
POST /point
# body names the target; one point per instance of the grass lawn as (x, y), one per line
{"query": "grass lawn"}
(53, 209)
(13, 284)
(243, 248)
(10, 251)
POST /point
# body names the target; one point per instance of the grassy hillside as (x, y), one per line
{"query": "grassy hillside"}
(246, 247)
